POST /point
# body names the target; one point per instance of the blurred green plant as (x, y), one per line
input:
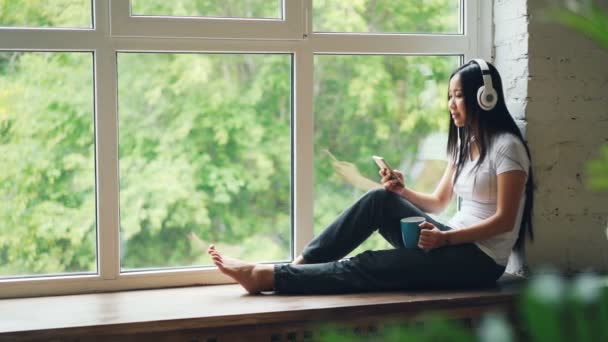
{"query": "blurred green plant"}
(552, 308)
(590, 19)
(584, 16)
(555, 309)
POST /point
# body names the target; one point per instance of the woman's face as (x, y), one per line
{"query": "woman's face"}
(456, 102)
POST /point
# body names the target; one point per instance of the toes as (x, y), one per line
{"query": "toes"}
(217, 260)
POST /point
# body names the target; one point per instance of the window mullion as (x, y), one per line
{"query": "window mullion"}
(302, 148)
(478, 29)
(106, 132)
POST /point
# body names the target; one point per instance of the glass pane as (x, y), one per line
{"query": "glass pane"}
(47, 182)
(205, 157)
(267, 9)
(387, 16)
(393, 106)
(43, 13)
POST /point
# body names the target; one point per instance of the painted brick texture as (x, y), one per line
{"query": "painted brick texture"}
(556, 82)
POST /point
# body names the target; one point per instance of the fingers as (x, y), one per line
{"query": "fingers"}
(391, 185)
(399, 175)
(428, 236)
(423, 245)
(426, 224)
(382, 172)
(386, 179)
(386, 176)
(390, 181)
(425, 236)
(425, 242)
(395, 174)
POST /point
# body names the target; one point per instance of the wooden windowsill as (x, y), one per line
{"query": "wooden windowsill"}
(221, 306)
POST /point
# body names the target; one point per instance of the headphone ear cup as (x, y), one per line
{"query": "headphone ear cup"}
(486, 98)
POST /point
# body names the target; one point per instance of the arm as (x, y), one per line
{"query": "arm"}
(510, 188)
(430, 203)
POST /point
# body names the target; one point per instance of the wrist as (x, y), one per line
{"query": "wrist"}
(446, 239)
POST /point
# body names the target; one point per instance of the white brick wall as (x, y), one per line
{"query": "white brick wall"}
(556, 81)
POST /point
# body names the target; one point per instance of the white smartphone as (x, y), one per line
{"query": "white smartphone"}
(382, 163)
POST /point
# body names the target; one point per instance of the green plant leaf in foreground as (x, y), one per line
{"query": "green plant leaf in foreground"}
(589, 20)
(552, 309)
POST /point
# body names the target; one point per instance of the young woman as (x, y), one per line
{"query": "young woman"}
(489, 170)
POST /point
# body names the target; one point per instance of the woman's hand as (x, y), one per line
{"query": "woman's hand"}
(392, 181)
(430, 237)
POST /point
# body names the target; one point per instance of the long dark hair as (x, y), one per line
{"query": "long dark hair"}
(484, 126)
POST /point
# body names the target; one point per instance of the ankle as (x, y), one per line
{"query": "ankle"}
(263, 277)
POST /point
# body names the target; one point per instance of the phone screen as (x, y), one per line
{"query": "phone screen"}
(382, 163)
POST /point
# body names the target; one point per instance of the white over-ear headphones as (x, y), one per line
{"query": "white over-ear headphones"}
(486, 95)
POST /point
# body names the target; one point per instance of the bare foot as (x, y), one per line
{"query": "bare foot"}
(254, 278)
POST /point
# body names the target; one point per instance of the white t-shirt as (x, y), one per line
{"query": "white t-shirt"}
(478, 190)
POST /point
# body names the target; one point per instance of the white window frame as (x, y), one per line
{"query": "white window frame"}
(123, 24)
(112, 33)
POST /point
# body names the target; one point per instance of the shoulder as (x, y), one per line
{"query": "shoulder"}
(503, 142)
(509, 152)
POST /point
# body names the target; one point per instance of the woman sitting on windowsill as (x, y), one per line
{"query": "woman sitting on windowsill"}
(489, 169)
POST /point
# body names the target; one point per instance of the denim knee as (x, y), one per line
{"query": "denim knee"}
(378, 194)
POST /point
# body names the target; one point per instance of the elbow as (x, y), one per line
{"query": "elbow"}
(437, 209)
(508, 226)
(440, 205)
(504, 223)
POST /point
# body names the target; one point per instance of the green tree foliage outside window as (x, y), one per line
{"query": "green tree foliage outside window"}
(209, 8)
(47, 177)
(41, 13)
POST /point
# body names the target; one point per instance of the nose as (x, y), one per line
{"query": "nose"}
(451, 103)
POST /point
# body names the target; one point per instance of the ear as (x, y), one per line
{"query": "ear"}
(487, 98)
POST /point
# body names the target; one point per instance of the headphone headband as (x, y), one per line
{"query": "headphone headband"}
(486, 95)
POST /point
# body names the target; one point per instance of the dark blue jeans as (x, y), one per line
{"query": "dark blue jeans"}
(456, 266)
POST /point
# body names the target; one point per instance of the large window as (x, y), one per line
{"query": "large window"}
(133, 133)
